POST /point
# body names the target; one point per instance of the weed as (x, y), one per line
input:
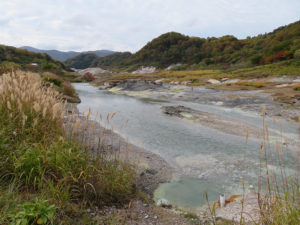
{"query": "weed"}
(38, 212)
(191, 216)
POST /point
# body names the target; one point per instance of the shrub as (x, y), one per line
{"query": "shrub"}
(89, 76)
(53, 79)
(68, 89)
(255, 59)
(50, 66)
(297, 54)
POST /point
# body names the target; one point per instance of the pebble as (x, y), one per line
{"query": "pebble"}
(145, 205)
(88, 210)
(155, 217)
(146, 217)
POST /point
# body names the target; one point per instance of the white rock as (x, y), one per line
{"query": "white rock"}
(163, 202)
(159, 81)
(213, 81)
(284, 85)
(186, 82)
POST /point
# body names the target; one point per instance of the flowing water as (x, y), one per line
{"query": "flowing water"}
(201, 156)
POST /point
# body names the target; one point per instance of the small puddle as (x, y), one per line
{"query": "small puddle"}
(187, 193)
(186, 114)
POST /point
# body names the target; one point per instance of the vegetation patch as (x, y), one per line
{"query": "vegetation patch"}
(257, 84)
(45, 174)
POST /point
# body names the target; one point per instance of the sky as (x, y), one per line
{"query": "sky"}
(127, 25)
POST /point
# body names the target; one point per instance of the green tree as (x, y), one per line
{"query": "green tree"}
(256, 59)
(297, 54)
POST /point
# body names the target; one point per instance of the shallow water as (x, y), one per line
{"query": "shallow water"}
(201, 156)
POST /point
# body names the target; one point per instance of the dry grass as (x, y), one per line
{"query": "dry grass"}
(68, 89)
(296, 87)
(257, 84)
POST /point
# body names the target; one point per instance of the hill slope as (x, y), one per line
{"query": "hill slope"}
(174, 47)
(19, 57)
(62, 56)
(83, 61)
(221, 53)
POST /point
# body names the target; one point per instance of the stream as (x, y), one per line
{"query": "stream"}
(203, 158)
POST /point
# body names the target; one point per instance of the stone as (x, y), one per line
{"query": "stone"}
(213, 81)
(186, 82)
(163, 202)
(159, 81)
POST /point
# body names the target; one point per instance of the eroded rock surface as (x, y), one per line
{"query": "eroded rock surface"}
(140, 85)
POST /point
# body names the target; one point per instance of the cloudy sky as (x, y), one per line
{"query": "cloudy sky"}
(127, 25)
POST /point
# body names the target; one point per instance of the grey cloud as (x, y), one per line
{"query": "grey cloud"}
(123, 25)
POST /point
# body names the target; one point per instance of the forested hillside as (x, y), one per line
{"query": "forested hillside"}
(83, 61)
(281, 44)
(266, 48)
(18, 58)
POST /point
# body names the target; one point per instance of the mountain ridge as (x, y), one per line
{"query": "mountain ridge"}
(62, 56)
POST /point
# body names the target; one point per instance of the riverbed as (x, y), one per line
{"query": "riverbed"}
(201, 156)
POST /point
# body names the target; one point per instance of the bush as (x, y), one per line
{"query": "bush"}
(68, 89)
(297, 54)
(255, 59)
(50, 66)
(53, 79)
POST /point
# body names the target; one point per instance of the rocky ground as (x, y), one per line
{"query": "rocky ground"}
(279, 101)
(136, 86)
